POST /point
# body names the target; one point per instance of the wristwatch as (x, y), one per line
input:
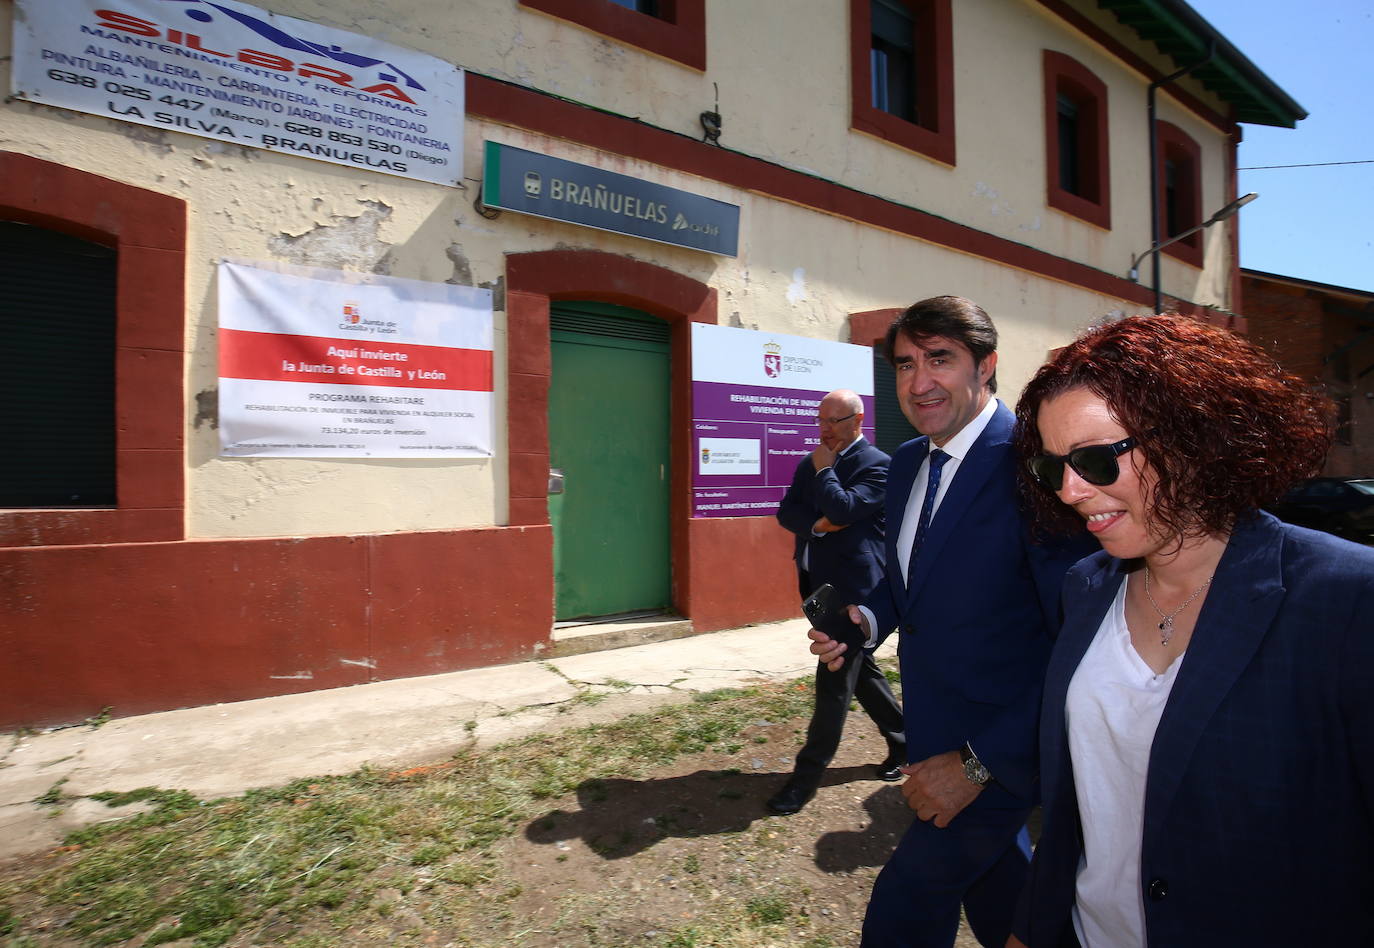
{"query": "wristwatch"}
(973, 767)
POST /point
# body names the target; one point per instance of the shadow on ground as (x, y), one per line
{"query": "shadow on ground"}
(620, 818)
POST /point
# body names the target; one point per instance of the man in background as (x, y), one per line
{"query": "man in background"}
(835, 509)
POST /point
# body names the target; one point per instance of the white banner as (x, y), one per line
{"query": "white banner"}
(773, 360)
(225, 70)
(326, 363)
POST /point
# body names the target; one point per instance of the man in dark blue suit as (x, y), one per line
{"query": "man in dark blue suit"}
(972, 600)
(835, 509)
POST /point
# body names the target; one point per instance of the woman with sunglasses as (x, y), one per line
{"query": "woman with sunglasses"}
(1207, 732)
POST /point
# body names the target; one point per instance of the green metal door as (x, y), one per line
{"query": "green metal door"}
(608, 435)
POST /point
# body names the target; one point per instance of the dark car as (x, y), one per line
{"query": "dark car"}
(1343, 506)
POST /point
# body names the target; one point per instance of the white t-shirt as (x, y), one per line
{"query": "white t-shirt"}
(1112, 710)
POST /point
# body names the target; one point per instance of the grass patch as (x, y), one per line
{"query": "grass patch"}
(51, 796)
(333, 853)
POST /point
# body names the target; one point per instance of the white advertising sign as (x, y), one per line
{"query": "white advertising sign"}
(729, 456)
(226, 70)
(325, 363)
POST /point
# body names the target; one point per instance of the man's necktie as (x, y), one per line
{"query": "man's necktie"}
(937, 461)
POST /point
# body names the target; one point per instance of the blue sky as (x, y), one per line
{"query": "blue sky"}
(1312, 223)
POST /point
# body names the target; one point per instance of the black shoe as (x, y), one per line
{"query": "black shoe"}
(791, 798)
(890, 769)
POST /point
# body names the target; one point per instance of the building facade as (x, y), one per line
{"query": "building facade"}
(1325, 334)
(878, 152)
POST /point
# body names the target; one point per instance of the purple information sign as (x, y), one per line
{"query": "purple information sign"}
(747, 442)
(755, 397)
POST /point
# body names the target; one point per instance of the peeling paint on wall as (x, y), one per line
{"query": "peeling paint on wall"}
(997, 206)
(350, 243)
(207, 408)
(462, 269)
(498, 292)
(154, 138)
(796, 290)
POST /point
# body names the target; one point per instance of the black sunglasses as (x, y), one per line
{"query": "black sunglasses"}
(1095, 463)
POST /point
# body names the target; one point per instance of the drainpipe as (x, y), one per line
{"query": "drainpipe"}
(1154, 163)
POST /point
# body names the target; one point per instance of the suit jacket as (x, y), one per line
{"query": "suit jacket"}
(1259, 799)
(975, 622)
(851, 492)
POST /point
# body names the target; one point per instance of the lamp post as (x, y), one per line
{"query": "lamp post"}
(1218, 217)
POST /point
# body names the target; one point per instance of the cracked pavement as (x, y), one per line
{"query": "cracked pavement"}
(226, 749)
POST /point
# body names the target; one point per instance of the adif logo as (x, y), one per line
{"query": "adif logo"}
(680, 222)
(772, 359)
(534, 185)
(351, 312)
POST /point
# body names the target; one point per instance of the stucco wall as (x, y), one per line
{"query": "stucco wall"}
(784, 95)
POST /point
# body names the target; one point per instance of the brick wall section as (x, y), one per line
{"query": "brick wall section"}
(1289, 322)
(1301, 325)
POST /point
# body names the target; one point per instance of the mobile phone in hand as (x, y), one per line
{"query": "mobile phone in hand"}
(819, 604)
(830, 616)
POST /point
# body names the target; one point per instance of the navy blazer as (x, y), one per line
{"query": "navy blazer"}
(1259, 799)
(975, 621)
(851, 493)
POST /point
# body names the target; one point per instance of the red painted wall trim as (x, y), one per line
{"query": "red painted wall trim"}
(1064, 74)
(1175, 142)
(870, 328)
(1137, 62)
(148, 232)
(934, 136)
(516, 105)
(678, 34)
(144, 627)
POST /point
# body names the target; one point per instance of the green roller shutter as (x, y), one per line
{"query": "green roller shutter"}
(609, 408)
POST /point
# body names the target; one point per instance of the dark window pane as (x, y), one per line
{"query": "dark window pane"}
(890, 427)
(892, 61)
(1070, 175)
(58, 323)
(1340, 366)
(641, 6)
(1344, 421)
(1173, 212)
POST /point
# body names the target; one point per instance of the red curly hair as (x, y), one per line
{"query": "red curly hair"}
(1224, 427)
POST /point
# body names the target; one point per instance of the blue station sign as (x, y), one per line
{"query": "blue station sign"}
(530, 183)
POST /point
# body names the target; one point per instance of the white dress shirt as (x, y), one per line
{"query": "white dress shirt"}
(1112, 710)
(957, 448)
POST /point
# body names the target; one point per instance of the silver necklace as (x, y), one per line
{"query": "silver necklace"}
(1166, 625)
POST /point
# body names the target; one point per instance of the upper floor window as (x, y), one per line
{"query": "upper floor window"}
(892, 59)
(640, 6)
(1076, 148)
(673, 29)
(902, 73)
(1180, 191)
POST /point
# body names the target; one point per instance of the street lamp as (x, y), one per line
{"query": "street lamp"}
(1221, 215)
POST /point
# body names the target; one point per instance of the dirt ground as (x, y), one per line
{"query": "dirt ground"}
(631, 859)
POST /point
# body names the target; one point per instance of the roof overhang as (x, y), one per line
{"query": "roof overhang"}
(1179, 32)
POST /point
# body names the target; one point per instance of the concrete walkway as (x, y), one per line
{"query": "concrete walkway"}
(225, 749)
